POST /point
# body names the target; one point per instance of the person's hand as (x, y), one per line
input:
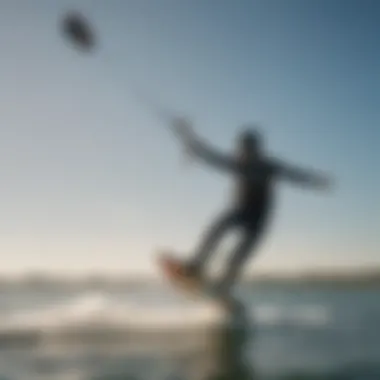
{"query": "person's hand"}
(323, 182)
(183, 129)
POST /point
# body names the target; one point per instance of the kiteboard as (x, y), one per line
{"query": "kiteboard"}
(173, 270)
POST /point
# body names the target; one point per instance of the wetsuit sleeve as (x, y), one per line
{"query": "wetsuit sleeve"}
(203, 151)
(213, 157)
(300, 176)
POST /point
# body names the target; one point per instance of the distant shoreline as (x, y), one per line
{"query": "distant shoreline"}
(345, 279)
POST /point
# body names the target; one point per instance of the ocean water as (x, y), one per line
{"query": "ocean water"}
(153, 332)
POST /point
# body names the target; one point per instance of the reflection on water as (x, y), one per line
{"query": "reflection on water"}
(224, 356)
(231, 361)
(112, 352)
(219, 355)
(305, 335)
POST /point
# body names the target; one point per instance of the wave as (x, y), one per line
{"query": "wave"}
(300, 316)
(98, 309)
(97, 316)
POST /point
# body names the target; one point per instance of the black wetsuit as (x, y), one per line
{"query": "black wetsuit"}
(248, 214)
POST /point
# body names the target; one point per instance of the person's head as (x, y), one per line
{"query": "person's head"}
(249, 143)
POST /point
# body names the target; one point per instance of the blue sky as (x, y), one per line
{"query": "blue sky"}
(91, 181)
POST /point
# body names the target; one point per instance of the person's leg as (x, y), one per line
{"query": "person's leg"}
(251, 236)
(209, 241)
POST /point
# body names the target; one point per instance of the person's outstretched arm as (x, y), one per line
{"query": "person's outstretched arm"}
(202, 150)
(303, 177)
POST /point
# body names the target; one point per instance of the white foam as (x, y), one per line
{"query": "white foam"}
(98, 310)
